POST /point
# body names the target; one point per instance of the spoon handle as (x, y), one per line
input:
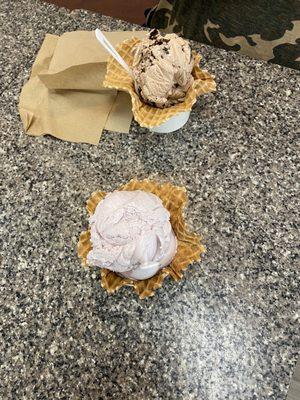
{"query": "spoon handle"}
(112, 51)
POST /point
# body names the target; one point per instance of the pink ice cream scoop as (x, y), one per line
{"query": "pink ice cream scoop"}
(131, 234)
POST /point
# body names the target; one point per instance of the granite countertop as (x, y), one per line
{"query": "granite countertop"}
(229, 329)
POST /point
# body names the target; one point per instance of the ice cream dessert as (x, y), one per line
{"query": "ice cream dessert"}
(162, 69)
(131, 231)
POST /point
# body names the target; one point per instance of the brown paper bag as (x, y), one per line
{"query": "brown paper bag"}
(79, 61)
(64, 96)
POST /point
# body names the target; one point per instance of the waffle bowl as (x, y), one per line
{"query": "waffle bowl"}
(146, 115)
(189, 247)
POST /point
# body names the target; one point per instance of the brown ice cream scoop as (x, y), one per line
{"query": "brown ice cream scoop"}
(162, 69)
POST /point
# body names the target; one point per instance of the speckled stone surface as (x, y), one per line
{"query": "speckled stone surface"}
(229, 329)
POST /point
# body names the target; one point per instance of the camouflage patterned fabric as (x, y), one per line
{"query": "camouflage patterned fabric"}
(264, 29)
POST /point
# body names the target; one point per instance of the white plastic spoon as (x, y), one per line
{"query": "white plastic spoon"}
(112, 51)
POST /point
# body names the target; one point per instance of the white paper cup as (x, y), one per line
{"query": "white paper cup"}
(142, 272)
(173, 124)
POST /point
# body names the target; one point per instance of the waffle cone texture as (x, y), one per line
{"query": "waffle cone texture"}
(146, 115)
(189, 247)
